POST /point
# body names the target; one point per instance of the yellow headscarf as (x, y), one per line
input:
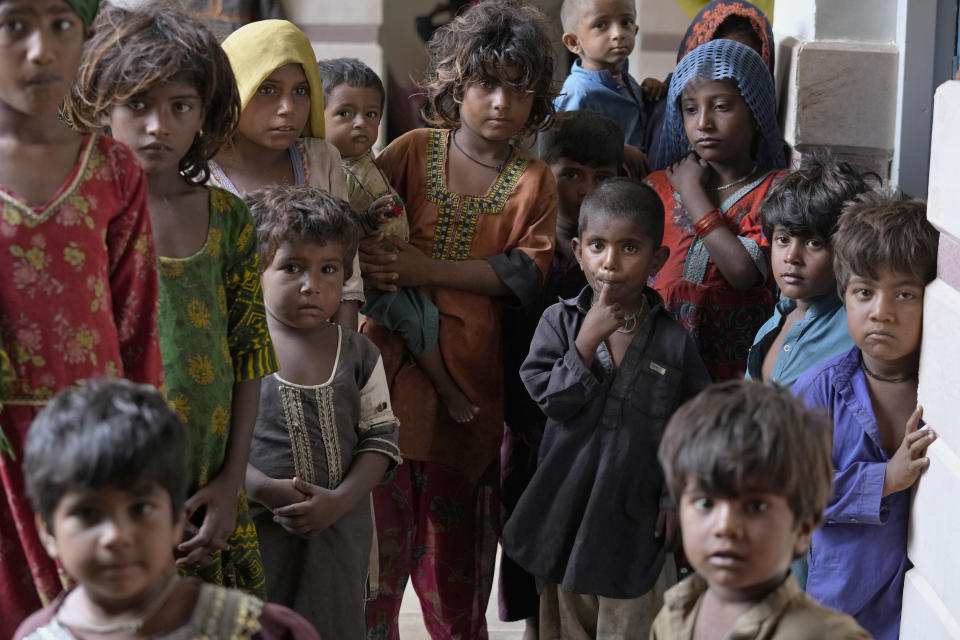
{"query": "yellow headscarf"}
(257, 49)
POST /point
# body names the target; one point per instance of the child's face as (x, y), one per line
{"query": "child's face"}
(302, 286)
(493, 110)
(802, 265)
(574, 181)
(159, 125)
(117, 543)
(885, 315)
(717, 120)
(616, 253)
(40, 46)
(605, 34)
(278, 111)
(743, 545)
(352, 116)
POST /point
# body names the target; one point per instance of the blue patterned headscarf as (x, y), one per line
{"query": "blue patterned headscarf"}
(720, 60)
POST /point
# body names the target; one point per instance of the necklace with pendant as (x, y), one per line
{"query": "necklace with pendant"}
(631, 321)
(877, 376)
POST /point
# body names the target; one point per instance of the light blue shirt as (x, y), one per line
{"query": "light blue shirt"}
(859, 557)
(820, 335)
(599, 91)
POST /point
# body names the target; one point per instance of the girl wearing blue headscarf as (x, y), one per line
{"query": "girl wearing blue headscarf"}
(722, 148)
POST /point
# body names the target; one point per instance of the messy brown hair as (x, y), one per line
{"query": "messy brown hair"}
(883, 229)
(283, 213)
(133, 50)
(477, 46)
(738, 433)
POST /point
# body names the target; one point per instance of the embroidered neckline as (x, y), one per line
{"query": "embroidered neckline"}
(63, 193)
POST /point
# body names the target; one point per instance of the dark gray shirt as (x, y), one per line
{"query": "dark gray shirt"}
(587, 519)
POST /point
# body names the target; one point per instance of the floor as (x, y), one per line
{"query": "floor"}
(411, 619)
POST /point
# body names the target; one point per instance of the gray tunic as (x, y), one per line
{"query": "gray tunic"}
(314, 432)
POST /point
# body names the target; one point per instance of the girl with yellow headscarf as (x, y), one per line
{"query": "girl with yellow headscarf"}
(280, 137)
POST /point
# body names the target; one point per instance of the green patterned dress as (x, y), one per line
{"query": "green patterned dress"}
(213, 333)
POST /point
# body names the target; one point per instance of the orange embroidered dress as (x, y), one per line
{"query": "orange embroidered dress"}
(77, 302)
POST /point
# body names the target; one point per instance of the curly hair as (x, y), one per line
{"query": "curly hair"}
(481, 44)
(283, 213)
(133, 50)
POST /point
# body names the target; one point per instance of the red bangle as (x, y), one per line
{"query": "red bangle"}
(708, 223)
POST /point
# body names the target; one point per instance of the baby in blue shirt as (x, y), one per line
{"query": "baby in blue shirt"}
(602, 33)
(809, 323)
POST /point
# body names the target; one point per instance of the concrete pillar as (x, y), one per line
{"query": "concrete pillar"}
(931, 596)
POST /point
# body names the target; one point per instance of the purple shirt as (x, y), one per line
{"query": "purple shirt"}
(858, 559)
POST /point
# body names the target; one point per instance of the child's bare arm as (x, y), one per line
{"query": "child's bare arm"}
(219, 496)
(737, 266)
(910, 461)
(347, 314)
(409, 267)
(322, 507)
(272, 493)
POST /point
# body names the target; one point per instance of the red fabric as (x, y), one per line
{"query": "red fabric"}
(438, 529)
(722, 320)
(78, 303)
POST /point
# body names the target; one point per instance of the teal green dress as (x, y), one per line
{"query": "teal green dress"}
(213, 334)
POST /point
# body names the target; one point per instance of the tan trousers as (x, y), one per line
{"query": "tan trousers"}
(565, 615)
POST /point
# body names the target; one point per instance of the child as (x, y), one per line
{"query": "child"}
(482, 219)
(106, 468)
(582, 149)
(279, 139)
(809, 324)
(602, 33)
(607, 367)
(159, 80)
(885, 253)
(722, 143)
(353, 96)
(325, 434)
(80, 289)
(750, 469)
(728, 19)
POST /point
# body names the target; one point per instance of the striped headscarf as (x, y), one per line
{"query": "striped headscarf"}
(708, 21)
(720, 60)
(256, 50)
(86, 9)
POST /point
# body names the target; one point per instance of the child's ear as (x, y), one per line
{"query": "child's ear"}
(576, 246)
(660, 258)
(46, 537)
(572, 42)
(805, 529)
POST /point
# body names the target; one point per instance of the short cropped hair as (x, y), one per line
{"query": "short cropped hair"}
(283, 213)
(478, 45)
(738, 434)
(884, 229)
(351, 72)
(582, 136)
(570, 11)
(808, 201)
(134, 50)
(110, 433)
(625, 198)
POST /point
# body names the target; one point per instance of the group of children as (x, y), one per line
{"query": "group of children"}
(211, 246)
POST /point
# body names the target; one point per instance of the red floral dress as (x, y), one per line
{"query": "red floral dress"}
(77, 302)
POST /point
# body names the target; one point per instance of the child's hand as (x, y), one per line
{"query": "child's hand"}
(909, 461)
(653, 89)
(668, 528)
(635, 162)
(382, 210)
(310, 517)
(387, 270)
(604, 317)
(689, 175)
(219, 501)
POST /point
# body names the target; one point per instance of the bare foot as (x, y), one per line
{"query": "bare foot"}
(459, 405)
(531, 630)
